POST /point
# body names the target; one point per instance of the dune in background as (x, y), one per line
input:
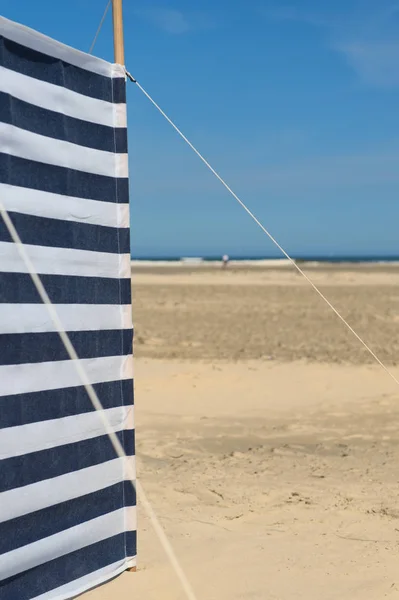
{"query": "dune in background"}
(266, 437)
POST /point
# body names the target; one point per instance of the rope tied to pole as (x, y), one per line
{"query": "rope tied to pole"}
(267, 232)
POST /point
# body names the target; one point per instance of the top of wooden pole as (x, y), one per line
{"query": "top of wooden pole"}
(119, 49)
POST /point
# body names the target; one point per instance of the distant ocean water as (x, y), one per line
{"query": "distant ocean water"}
(325, 259)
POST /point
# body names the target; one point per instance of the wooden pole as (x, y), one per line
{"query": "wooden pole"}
(119, 48)
(119, 58)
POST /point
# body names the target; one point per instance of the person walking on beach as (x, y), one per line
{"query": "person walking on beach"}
(225, 261)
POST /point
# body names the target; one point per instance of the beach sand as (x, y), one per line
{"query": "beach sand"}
(266, 437)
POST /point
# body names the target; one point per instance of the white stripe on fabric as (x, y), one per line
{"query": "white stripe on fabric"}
(121, 165)
(38, 377)
(36, 496)
(120, 115)
(43, 435)
(59, 99)
(41, 43)
(34, 318)
(65, 208)
(92, 580)
(65, 261)
(120, 110)
(64, 542)
(51, 151)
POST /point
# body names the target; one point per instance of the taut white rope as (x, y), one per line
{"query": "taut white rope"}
(97, 405)
(100, 26)
(275, 242)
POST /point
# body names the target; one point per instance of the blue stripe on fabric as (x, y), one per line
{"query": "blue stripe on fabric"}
(18, 288)
(40, 524)
(14, 111)
(119, 90)
(47, 68)
(22, 172)
(18, 471)
(42, 231)
(69, 567)
(21, 348)
(34, 407)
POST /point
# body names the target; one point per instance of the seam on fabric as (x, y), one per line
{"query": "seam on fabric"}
(114, 111)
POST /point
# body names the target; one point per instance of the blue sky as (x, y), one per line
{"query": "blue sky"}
(296, 104)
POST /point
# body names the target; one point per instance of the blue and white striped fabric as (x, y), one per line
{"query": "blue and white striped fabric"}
(67, 511)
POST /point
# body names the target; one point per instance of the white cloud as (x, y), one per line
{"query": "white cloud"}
(333, 172)
(175, 21)
(168, 19)
(366, 35)
(291, 13)
(376, 63)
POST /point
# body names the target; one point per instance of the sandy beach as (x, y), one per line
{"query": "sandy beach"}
(266, 436)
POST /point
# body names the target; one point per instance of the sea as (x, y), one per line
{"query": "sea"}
(355, 259)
